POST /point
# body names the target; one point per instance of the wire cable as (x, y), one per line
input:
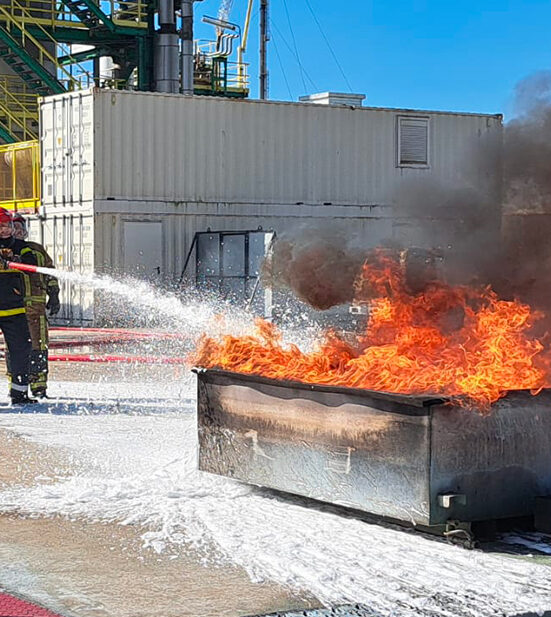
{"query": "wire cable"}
(272, 23)
(328, 45)
(291, 97)
(295, 45)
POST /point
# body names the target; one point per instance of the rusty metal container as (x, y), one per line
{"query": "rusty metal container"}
(417, 459)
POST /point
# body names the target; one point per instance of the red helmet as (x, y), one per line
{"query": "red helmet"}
(5, 216)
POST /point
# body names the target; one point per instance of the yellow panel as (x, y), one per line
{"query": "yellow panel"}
(20, 177)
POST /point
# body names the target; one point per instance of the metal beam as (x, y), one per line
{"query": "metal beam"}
(83, 56)
(264, 38)
(102, 17)
(77, 35)
(94, 10)
(6, 135)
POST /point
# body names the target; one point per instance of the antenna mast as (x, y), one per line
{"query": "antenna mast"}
(264, 38)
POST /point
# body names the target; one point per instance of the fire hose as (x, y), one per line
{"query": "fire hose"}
(124, 333)
(106, 359)
(17, 265)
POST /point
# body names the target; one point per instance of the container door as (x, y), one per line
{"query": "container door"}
(143, 249)
(66, 125)
(69, 240)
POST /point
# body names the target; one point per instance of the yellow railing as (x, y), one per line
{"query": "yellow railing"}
(55, 13)
(25, 97)
(129, 13)
(20, 177)
(18, 108)
(18, 123)
(20, 18)
(208, 73)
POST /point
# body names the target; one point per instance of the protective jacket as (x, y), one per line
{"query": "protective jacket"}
(12, 283)
(38, 286)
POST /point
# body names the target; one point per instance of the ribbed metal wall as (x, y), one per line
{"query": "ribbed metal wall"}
(69, 239)
(200, 149)
(179, 227)
(190, 164)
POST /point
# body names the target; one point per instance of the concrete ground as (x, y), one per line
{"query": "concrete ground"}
(85, 569)
(82, 566)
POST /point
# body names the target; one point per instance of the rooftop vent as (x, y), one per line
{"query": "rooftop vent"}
(334, 98)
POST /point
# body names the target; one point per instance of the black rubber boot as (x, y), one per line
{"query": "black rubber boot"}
(21, 398)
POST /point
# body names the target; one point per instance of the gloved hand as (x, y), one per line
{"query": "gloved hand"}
(6, 255)
(53, 304)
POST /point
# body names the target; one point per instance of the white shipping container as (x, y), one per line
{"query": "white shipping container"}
(105, 144)
(69, 240)
(151, 240)
(165, 232)
(142, 173)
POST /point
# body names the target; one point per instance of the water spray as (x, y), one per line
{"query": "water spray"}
(185, 318)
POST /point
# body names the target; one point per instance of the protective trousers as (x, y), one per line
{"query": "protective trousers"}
(18, 343)
(38, 326)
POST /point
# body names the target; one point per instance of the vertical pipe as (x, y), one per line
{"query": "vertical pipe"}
(82, 252)
(166, 49)
(243, 46)
(186, 35)
(264, 38)
(96, 72)
(14, 177)
(42, 222)
(69, 243)
(34, 178)
(166, 12)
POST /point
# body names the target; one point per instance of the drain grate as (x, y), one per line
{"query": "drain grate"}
(349, 610)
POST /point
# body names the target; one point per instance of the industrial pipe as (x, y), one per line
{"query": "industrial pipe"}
(123, 331)
(96, 341)
(105, 359)
(264, 38)
(186, 58)
(166, 50)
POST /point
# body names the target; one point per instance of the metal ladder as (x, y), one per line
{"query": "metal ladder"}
(26, 53)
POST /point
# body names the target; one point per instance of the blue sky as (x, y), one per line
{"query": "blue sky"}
(432, 54)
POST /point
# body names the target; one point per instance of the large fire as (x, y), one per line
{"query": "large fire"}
(459, 341)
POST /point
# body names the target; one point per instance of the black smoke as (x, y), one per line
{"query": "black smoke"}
(505, 243)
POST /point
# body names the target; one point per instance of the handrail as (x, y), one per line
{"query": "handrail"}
(43, 52)
(128, 13)
(236, 77)
(18, 115)
(19, 91)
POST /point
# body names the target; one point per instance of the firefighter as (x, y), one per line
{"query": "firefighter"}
(42, 294)
(13, 320)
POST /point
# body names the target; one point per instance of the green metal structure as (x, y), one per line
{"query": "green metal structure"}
(38, 56)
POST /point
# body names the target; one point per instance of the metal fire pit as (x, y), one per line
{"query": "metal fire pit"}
(418, 459)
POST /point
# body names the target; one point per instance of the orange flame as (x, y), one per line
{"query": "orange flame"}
(460, 341)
